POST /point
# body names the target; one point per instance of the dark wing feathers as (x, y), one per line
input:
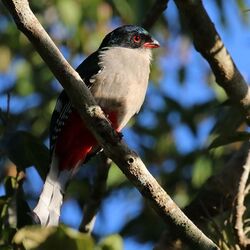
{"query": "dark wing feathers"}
(60, 114)
(87, 69)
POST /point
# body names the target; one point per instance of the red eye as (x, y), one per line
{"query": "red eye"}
(137, 39)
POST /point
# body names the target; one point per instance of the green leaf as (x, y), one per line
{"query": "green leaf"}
(6, 238)
(14, 209)
(3, 206)
(225, 125)
(5, 58)
(222, 140)
(112, 242)
(70, 12)
(115, 176)
(124, 9)
(25, 85)
(201, 172)
(50, 238)
(26, 150)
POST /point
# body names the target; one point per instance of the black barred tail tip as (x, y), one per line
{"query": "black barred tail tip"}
(34, 218)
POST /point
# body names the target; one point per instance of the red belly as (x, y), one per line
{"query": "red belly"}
(75, 141)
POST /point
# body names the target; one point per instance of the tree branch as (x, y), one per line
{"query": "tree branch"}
(208, 42)
(239, 208)
(98, 191)
(152, 16)
(218, 193)
(216, 196)
(127, 160)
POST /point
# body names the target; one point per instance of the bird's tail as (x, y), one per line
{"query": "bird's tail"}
(49, 205)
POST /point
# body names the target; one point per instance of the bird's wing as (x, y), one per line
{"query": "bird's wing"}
(60, 114)
(87, 69)
(62, 128)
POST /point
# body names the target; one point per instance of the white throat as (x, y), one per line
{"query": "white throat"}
(122, 82)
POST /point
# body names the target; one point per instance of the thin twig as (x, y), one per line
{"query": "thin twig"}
(207, 41)
(213, 221)
(8, 108)
(2, 118)
(247, 190)
(98, 191)
(240, 208)
(5, 118)
(219, 190)
(157, 9)
(246, 230)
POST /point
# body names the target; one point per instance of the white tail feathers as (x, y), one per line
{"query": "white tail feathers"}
(51, 198)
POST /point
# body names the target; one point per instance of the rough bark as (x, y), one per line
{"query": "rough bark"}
(208, 43)
(155, 12)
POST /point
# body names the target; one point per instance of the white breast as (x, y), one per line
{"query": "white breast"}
(122, 83)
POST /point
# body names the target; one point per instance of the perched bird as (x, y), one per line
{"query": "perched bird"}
(117, 76)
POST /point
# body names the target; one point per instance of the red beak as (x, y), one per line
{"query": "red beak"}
(152, 44)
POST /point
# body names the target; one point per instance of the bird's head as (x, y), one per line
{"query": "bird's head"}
(129, 36)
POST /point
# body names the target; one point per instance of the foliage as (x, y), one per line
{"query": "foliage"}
(172, 133)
